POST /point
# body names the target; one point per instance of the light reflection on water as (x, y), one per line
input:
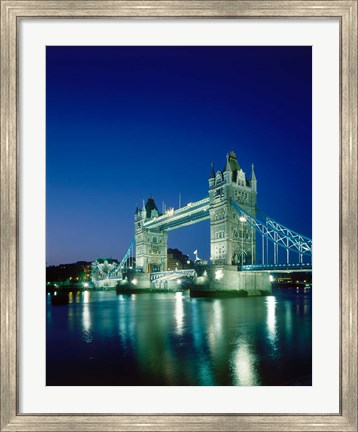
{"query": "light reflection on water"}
(86, 323)
(243, 364)
(271, 319)
(171, 339)
(179, 313)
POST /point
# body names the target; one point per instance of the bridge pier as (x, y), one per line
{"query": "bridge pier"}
(226, 281)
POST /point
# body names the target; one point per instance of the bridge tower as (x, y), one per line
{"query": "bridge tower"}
(151, 244)
(232, 240)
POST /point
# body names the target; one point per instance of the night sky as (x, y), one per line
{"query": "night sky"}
(127, 122)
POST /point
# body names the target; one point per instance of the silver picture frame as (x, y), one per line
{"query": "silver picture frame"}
(11, 12)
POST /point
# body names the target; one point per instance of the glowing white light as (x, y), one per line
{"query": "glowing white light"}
(85, 284)
(271, 278)
(179, 281)
(86, 297)
(134, 281)
(242, 219)
(219, 274)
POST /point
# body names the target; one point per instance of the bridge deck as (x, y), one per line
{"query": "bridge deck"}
(172, 274)
(191, 213)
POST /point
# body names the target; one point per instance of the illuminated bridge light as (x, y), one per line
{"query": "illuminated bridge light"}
(219, 274)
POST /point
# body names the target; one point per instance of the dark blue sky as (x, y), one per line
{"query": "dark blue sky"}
(124, 122)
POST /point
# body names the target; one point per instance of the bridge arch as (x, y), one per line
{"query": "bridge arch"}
(239, 257)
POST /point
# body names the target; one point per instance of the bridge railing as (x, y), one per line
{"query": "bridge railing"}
(293, 266)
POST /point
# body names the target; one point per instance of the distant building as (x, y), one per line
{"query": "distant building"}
(69, 273)
(177, 260)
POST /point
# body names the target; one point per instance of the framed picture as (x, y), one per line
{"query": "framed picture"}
(233, 121)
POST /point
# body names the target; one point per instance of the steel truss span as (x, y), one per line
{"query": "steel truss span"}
(126, 256)
(277, 233)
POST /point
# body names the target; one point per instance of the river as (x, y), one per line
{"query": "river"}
(101, 338)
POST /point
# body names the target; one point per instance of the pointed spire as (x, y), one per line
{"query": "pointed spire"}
(253, 177)
(228, 166)
(212, 172)
(144, 211)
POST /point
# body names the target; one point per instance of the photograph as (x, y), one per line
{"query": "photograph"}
(178, 216)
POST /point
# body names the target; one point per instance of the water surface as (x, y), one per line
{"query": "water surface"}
(101, 338)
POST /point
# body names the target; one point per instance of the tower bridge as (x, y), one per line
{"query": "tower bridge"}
(229, 238)
(236, 227)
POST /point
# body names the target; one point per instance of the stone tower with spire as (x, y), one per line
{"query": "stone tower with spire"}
(232, 240)
(151, 244)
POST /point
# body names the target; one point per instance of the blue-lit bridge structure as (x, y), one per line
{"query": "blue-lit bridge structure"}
(241, 235)
(270, 230)
(284, 268)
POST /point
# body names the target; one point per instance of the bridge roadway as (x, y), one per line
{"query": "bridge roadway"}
(172, 274)
(172, 219)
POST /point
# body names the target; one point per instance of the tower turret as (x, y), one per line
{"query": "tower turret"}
(151, 208)
(228, 171)
(212, 176)
(253, 181)
(144, 212)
